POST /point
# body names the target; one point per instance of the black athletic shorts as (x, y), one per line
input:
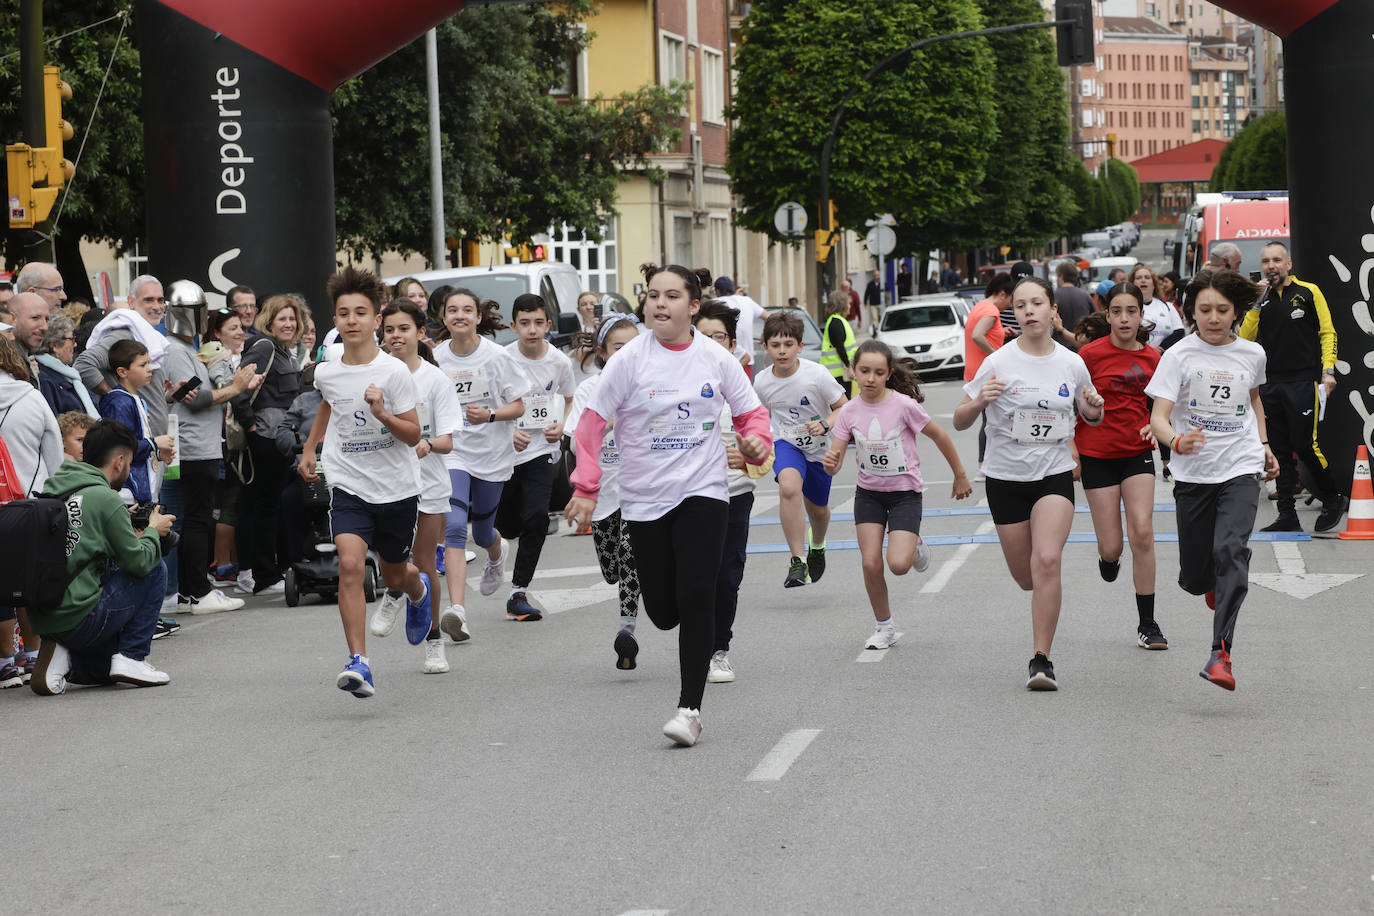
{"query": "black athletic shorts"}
(1011, 501)
(388, 528)
(1109, 472)
(895, 510)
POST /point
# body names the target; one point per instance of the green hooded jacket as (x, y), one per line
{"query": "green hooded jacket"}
(100, 539)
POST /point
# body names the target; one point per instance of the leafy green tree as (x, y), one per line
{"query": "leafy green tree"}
(105, 201)
(1256, 159)
(915, 142)
(1124, 182)
(515, 158)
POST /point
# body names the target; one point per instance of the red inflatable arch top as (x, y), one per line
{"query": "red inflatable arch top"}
(323, 41)
(1282, 17)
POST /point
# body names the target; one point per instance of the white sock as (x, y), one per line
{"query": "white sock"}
(884, 624)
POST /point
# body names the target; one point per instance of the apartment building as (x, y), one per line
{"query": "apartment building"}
(1145, 77)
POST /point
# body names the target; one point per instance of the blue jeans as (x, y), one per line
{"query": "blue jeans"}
(122, 621)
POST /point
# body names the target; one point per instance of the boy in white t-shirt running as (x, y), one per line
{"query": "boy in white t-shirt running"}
(524, 509)
(370, 428)
(801, 397)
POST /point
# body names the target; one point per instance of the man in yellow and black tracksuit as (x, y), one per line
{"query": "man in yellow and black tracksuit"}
(1293, 325)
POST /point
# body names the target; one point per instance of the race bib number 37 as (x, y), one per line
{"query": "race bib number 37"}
(1041, 427)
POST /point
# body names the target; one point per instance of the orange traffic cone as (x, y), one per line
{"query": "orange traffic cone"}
(1359, 525)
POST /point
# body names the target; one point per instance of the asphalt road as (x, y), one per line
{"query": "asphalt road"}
(533, 777)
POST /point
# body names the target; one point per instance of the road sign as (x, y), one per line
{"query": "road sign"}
(790, 220)
(887, 219)
(881, 240)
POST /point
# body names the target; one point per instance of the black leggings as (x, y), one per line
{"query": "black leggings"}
(678, 556)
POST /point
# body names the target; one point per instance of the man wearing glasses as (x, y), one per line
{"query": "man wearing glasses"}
(43, 280)
(139, 322)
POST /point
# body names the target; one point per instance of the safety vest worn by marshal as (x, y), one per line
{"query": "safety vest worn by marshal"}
(830, 357)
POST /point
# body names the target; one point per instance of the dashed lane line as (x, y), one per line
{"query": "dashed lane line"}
(779, 760)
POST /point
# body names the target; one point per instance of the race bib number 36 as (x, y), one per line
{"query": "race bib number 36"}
(1041, 427)
(542, 410)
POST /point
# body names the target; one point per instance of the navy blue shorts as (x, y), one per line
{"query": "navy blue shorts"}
(388, 528)
(815, 480)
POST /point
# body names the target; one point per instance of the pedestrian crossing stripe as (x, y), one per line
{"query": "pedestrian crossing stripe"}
(1083, 537)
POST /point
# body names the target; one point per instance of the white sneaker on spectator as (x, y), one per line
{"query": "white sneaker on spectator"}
(276, 588)
(133, 671)
(169, 603)
(435, 662)
(494, 572)
(244, 585)
(51, 670)
(213, 602)
(454, 622)
(384, 620)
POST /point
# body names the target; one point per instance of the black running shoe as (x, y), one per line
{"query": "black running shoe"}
(1041, 674)
(1329, 519)
(626, 648)
(796, 573)
(166, 626)
(1287, 521)
(815, 563)
(1108, 571)
(1148, 636)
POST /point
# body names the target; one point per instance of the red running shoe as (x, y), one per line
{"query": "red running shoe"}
(1218, 670)
(1211, 599)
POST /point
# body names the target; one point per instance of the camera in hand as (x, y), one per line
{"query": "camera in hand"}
(141, 515)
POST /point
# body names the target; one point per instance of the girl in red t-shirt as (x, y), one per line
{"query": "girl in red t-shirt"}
(1117, 457)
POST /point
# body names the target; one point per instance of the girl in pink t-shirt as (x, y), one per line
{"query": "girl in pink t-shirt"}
(884, 421)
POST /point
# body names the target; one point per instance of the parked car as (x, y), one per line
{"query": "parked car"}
(557, 282)
(1101, 267)
(811, 337)
(927, 333)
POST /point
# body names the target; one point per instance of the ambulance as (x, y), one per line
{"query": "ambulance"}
(1247, 219)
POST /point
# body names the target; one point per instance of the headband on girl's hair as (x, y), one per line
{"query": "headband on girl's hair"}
(611, 321)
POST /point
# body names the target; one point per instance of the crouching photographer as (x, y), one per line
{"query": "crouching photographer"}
(101, 630)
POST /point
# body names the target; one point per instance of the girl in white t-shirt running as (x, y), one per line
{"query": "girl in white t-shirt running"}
(1207, 407)
(610, 534)
(489, 386)
(1032, 390)
(666, 391)
(884, 422)
(437, 409)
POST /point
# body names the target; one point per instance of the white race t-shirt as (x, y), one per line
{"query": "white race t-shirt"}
(361, 456)
(551, 378)
(1030, 425)
(804, 395)
(1166, 321)
(439, 414)
(491, 377)
(608, 499)
(1210, 387)
(667, 406)
(749, 325)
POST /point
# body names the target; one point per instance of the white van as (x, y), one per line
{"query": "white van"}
(1099, 269)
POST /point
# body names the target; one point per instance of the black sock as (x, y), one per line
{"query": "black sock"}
(1145, 606)
(433, 633)
(395, 593)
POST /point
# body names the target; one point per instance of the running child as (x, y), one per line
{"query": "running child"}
(1030, 389)
(610, 534)
(1117, 457)
(801, 397)
(440, 417)
(665, 391)
(489, 385)
(883, 422)
(368, 422)
(717, 321)
(129, 363)
(524, 508)
(1207, 407)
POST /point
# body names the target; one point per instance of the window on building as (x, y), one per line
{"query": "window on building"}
(1197, 101)
(1121, 62)
(1150, 10)
(1153, 147)
(1197, 127)
(1149, 61)
(1137, 148)
(682, 240)
(596, 262)
(712, 86)
(719, 233)
(672, 58)
(1150, 91)
(1109, 89)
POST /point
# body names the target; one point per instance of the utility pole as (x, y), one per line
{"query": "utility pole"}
(436, 165)
(39, 246)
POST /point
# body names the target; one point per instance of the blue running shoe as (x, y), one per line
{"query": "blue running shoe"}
(519, 608)
(356, 677)
(417, 615)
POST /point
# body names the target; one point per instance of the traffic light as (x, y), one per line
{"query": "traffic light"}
(538, 252)
(1111, 146)
(37, 174)
(825, 235)
(1075, 33)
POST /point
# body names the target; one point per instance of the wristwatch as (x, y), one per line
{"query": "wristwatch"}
(1331, 372)
(491, 415)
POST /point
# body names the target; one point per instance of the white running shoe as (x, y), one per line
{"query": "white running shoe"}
(435, 662)
(884, 635)
(454, 622)
(276, 588)
(720, 671)
(493, 573)
(384, 620)
(136, 672)
(213, 602)
(922, 562)
(244, 584)
(170, 602)
(684, 727)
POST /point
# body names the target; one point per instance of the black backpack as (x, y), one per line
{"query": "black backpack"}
(35, 577)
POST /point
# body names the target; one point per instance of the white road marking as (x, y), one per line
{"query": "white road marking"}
(763, 502)
(565, 572)
(776, 762)
(558, 600)
(646, 913)
(1293, 579)
(948, 568)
